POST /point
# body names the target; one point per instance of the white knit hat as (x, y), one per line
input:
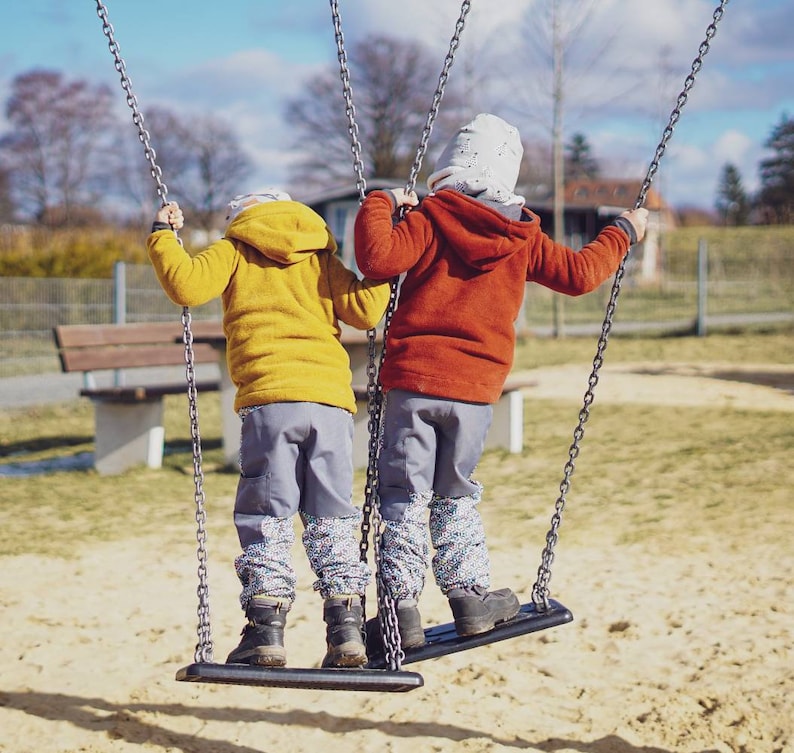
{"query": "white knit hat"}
(482, 160)
(243, 201)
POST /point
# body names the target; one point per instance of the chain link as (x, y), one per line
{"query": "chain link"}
(540, 590)
(204, 648)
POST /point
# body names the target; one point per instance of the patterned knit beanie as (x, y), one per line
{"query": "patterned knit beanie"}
(245, 200)
(481, 160)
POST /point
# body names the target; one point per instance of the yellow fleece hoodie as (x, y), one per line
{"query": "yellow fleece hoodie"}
(284, 292)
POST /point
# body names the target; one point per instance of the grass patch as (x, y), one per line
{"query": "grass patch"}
(761, 348)
(676, 475)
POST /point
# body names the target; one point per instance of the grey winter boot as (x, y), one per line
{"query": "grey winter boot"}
(477, 610)
(262, 643)
(344, 616)
(409, 625)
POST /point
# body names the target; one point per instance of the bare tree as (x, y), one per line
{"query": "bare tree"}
(134, 179)
(56, 147)
(201, 161)
(6, 204)
(393, 83)
(219, 166)
(562, 61)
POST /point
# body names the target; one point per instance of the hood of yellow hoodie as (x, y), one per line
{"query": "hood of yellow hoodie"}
(284, 231)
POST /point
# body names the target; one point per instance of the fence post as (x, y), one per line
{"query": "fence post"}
(119, 307)
(702, 282)
(119, 293)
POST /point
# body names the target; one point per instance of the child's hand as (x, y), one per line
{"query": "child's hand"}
(639, 220)
(171, 215)
(403, 198)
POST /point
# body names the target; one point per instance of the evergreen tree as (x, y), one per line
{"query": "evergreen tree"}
(776, 197)
(579, 161)
(732, 202)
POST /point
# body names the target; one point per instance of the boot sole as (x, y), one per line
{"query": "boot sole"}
(477, 625)
(347, 655)
(259, 659)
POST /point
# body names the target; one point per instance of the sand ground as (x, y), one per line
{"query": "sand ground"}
(673, 649)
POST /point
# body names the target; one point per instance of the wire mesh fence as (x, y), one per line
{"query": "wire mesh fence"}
(31, 307)
(695, 290)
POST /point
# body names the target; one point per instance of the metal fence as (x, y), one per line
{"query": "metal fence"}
(31, 307)
(696, 292)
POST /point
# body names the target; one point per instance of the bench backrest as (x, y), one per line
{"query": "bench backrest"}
(94, 347)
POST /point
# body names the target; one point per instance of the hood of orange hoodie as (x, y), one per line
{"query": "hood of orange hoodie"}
(478, 234)
(284, 231)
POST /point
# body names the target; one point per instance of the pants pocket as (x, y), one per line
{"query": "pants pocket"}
(253, 502)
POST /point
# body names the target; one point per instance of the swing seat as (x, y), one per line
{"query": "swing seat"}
(313, 679)
(443, 640)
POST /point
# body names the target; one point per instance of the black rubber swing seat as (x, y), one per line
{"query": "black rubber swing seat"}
(311, 679)
(443, 640)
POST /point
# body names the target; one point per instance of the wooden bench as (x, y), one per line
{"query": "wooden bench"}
(506, 432)
(128, 419)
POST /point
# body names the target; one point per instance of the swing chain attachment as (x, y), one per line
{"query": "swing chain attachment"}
(540, 590)
(204, 649)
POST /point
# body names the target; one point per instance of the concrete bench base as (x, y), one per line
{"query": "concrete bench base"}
(128, 434)
(128, 424)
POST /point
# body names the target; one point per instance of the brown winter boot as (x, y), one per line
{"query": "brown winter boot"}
(343, 616)
(262, 643)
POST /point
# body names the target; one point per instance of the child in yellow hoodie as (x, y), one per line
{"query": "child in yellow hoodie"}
(284, 293)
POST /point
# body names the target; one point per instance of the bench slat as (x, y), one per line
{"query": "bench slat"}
(138, 356)
(137, 394)
(141, 333)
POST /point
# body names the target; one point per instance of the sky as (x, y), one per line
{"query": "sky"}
(626, 64)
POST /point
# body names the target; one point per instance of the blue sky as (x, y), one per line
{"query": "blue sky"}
(242, 59)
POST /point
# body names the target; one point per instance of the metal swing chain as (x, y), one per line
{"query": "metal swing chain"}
(347, 91)
(540, 590)
(371, 517)
(204, 649)
(370, 513)
(438, 95)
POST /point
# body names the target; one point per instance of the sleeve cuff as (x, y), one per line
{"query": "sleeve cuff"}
(160, 226)
(627, 228)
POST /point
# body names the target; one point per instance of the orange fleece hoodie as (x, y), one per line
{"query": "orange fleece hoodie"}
(465, 264)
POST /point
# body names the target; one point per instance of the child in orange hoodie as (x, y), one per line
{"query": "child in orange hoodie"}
(466, 253)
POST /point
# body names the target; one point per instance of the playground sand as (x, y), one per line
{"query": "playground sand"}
(679, 644)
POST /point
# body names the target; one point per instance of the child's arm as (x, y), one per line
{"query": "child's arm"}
(383, 249)
(359, 303)
(633, 222)
(186, 280)
(578, 272)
